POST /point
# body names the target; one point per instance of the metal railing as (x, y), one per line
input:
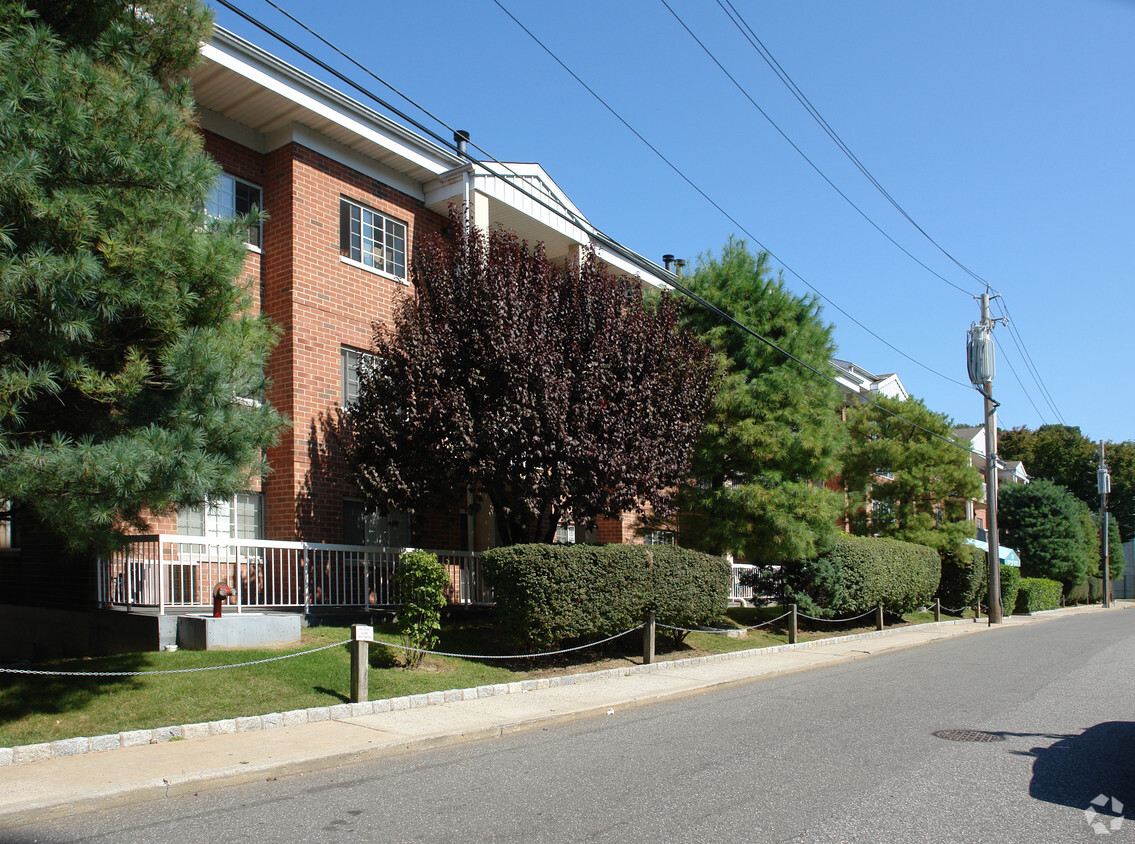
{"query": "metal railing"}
(739, 590)
(171, 571)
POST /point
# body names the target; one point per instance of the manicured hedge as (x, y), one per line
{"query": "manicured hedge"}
(1038, 593)
(1010, 587)
(963, 577)
(870, 571)
(553, 595)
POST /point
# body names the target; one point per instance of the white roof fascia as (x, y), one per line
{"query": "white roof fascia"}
(308, 93)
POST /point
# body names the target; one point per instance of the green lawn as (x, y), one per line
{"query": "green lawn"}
(37, 709)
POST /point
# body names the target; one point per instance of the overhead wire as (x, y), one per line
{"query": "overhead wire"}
(763, 51)
(555, 209)
(717, 206)
(803, 154)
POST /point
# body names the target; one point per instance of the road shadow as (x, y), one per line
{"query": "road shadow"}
(1076, 769)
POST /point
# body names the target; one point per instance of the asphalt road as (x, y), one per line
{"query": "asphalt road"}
(846, 753)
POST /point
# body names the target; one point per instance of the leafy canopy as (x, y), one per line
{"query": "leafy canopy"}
(557, 392)
(774, 434)
(907, 482)
(130, 373)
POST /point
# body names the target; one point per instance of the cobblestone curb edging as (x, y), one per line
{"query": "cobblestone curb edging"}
(296, 717)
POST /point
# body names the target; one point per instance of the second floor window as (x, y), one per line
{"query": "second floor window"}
(233, 198)
(372, 239)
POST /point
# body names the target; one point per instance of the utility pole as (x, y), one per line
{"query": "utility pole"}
(981, 367)
(1103, 482)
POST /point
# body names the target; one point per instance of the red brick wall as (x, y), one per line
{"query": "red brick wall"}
(320, 304)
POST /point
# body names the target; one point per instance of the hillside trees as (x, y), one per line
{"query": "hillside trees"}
(774, 434)
(557, 392)
(130, 375)
(904, 481)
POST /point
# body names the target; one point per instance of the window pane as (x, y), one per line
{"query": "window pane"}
(191, 520)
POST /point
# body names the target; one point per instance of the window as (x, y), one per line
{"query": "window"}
(658, 537)
(565, 534)
(372, 239)
(232, 198)
(363, 528)
(349, 361)
(239, 517)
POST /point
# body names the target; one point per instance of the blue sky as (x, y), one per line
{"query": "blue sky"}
(1004, 129)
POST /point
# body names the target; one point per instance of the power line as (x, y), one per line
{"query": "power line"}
(1019, 342)
(715, 204)
(804, 155)
(762, 50)
(559, 212)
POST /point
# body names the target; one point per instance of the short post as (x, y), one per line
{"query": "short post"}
(361, 636)
(977, 611)
(792, 625)
(879, 617)
(648, 638)
(937, 609)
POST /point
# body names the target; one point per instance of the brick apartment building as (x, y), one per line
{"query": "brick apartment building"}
(347, 193)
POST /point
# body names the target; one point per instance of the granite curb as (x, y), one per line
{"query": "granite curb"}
(131, 738)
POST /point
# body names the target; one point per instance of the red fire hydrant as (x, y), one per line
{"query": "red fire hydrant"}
(221, 593)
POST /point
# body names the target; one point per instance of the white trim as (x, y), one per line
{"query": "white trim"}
(343, 259)
(287, 89)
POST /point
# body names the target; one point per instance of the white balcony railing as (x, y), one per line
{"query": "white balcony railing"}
(171, 571)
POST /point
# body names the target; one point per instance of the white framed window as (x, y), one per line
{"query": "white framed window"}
(349, 361)
(238, 517)
(231, 198)
(372, 239)
(658, 537)
(565, 533)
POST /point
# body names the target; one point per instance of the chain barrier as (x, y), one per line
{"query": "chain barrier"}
(721, 630)
(836, 620)
(509, 656)
(171, 670)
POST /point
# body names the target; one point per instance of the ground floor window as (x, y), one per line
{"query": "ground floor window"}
(238, 517)
(372, 528)
(659, 537)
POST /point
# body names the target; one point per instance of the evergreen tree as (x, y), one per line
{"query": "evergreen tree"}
(131, 375)
(774, 434)
(907, 482)
(1052, 530)
(556, 392)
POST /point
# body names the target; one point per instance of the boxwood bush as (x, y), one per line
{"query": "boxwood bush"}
(549, 596)
(869, 571)
(1038, 593)
(963, 577)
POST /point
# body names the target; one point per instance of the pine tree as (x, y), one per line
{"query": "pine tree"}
(131, 374)
(916, 478)
(774, 434)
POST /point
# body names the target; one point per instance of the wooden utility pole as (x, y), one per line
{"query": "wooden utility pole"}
(1103, 481)
(981, 369)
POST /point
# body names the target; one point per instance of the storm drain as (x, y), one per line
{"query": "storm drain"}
(968, 735)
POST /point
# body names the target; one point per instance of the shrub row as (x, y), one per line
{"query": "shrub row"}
(1038, 593)
(549, 596)
(963, 577)
(1010, 588)
(866, 571)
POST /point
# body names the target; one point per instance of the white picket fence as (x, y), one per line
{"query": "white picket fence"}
(171, 571)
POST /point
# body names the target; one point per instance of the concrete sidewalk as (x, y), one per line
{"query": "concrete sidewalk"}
(35, 790)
